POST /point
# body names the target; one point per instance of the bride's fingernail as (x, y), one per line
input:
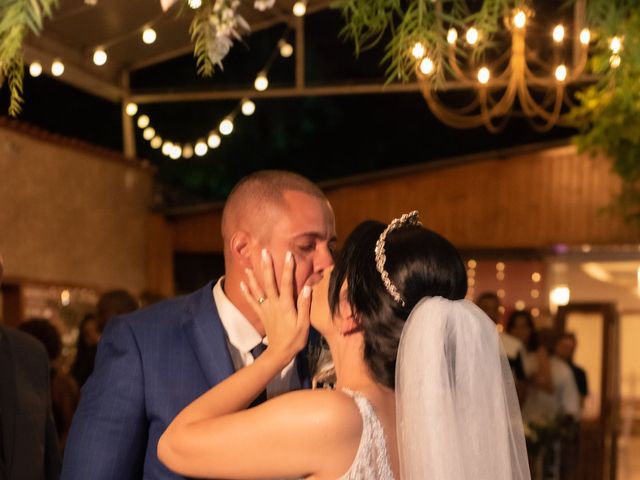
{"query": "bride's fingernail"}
(247, 271)
(288, 257)
(265, 255)
(306, 291)
(243, 287)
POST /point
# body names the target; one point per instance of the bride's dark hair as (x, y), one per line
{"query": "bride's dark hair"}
(420, 264)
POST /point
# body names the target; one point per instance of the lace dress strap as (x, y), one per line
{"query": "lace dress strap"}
(371, 460)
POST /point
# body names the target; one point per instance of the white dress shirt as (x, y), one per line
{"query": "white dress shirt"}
(242, 337)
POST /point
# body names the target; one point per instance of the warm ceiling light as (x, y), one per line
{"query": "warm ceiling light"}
(143, 121)
(484, 75)
(99, 57)
(248, 107)
(426, 66)
(520, 19)
(214, 140)
(176, 152)
(558, 33)
(156, 142)
(149, 36)
(187, 151)
(615, 44)
(299, 8)
(226, 126)
(131, 109)
(472, 36)
(201, 148)
(148, 133)
(35, 69)
(262, 82)
(57, 68)
(166, 147)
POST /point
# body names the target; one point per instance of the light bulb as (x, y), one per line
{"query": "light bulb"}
(166, 147)
(520, 19)
(99, 57)
(585, 36)
(143, 121)
(149, 36)
(57, 68)
(472, 36)
(615, 44)
(286, 49)
(452, 36)
(176, 152)
(484, 75)
(201, 148)
(418, 50)
(195, 4)
(560, 295)
(426, 66)
(187, 151)
(156, 142)
(299, 8)
(614, 60)
(262, 82)
(148, 133)
(214, 140)
(226, 126)
(35, 69)
(558, 34)
(248, 107)
(131, 109)
(561, 73)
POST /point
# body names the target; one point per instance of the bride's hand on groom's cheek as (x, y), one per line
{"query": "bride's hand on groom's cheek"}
(286, 324)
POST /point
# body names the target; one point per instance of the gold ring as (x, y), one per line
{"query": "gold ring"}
(261, 300)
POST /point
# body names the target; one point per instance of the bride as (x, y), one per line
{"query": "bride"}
(423, 389)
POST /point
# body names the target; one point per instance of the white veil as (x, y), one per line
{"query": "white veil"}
(458, 416)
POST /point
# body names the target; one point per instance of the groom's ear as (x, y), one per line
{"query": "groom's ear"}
(240, 248)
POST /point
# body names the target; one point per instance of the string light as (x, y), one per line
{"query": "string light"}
(57, 68)
(484, 75)
(214, 140)
(99, 57)
(300, 8)
(558, 33)
(226, 126)
(175, 152)
(472, 263)
(472, 36)
(187, 151)
(166, 147)
(149, 36)
(131, 109)
(520, 305)
(452, 36)
(35, 69)
(535, 293)
(262, 82)
(148, 133)
(519, 19)
(286, 49)
(201, 148)
(418, 51)
(156, 142)
(248, 107)
(536, 277)
(143, 121)
(427, 66)
(585, 36)
(561, 73)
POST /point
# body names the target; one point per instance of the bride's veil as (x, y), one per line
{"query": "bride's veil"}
(458, 416)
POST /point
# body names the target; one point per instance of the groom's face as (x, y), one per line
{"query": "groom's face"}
(306, 228)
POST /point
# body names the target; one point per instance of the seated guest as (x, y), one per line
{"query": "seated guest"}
(64, 389)
(28, 440)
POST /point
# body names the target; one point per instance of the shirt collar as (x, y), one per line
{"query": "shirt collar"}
(242, 335)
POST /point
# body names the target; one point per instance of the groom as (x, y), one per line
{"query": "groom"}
(152, 363)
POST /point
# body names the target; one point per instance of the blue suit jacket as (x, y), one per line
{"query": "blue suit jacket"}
(150, 365)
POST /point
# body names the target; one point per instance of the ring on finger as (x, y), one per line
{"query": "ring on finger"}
(261, 300)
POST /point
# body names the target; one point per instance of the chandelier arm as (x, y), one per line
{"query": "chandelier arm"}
(487, 116)
(578, 69)
(533, 109)
(454, 66)
(448, 116)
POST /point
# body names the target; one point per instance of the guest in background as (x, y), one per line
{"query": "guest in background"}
(86, 348)
(28, 440)
(489, 303)
(565, 349)
(65, 393)
(112, 304)
(149, 298)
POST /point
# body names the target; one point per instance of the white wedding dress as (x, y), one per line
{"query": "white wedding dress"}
(372, 459)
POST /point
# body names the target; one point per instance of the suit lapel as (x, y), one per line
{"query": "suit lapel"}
(8, 400)
(207, 336)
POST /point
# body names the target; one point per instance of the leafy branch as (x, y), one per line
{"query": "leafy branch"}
(17, 19)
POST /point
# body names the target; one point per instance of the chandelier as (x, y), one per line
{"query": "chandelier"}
(539, 86)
